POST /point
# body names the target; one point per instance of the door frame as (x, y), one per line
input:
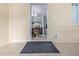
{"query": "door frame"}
(31, 23)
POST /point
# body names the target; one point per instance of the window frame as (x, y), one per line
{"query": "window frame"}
(75, 20)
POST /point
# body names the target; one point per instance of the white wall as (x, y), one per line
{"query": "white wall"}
(4, 26)
(18, 22)
(59, 21)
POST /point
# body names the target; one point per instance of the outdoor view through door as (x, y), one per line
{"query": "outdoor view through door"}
(38, 21)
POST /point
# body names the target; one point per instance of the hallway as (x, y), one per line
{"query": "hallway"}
(65, 50)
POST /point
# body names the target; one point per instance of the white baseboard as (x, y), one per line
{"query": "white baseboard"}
(24, 41)
(19, 41)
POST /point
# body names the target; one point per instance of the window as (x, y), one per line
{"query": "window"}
(75, 14)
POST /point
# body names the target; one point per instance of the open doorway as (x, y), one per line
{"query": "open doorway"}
(38, 21)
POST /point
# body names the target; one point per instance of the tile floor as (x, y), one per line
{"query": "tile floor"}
(65, 50)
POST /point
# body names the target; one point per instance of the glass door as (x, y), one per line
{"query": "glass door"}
(39, 21)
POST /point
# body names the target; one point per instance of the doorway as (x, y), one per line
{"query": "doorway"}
(38, 21)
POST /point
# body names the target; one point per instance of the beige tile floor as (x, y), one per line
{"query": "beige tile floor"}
(65, 50)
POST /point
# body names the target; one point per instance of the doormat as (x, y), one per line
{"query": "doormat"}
(40, 47)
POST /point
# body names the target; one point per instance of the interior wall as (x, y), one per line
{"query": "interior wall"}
(60, 23)
(18, 22)
(4, 20)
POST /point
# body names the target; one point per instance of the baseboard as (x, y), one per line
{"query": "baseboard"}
(24, 41)
(19, 41)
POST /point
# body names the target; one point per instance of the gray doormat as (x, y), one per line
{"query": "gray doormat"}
(40, 47)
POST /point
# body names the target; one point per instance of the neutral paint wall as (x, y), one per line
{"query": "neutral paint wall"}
(4, 26)
(18, 22)
(60, 22)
